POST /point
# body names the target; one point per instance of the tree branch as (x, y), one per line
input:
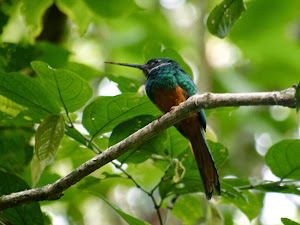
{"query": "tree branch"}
(192, 105)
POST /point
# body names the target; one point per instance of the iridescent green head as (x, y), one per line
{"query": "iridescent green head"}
(152, 65)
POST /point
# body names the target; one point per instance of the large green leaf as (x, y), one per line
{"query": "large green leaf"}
(223, 17)
(15, 57)
(48, 138)
(33, 11)
(112, 8)
(246, 201)
(141, 153)
(283, 159)
(65, 86)
(84, 71)
(22, 215)
(78, 12)
(53, 54)
(125, 84)
(129, 219)
(105, 112)
(29, 93)
(176, 144)
(16, 151)
(188, 208)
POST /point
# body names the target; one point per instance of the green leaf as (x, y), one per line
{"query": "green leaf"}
(105, 112)
(129, 219)
(29, 93)
(223, 17)
(76, 135)
(15, 57)
(84, 71)
(22, 215)
(279, 188)
(246, 201)
(16, 151)
(283, 159)
(69, 89)
(297, 96)
(112, 8)
(188, 208)
(176, 144)
(287, 221)
(36, 170)
(48, 138)
(78, 12)
(125, 84)
(33, 11)
(219, 152)
(9, 107)
(141, 153)
(53, 54)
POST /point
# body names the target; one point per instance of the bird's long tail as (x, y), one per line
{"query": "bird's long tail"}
(205, 163)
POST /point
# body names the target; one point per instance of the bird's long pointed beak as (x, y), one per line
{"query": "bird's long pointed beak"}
(142, 67)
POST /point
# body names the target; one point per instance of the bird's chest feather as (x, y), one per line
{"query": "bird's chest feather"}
(166, 98)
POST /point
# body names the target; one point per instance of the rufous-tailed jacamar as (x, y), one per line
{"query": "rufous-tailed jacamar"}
(167, 86)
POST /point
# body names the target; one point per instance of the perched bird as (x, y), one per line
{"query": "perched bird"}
(167, 86)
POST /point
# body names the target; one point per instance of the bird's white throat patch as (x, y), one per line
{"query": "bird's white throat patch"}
(161, 65)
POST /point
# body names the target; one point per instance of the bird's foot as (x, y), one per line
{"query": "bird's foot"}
(172, 108)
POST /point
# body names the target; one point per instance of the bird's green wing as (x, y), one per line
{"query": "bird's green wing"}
(186, 83)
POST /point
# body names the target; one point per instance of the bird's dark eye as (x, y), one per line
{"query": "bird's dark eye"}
(157, 60)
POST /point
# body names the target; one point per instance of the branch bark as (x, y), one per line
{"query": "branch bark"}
(192, 105)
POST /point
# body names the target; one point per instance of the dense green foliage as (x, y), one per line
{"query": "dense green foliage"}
(52, 118)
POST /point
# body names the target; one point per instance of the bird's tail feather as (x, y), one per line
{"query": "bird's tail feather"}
(205, 164)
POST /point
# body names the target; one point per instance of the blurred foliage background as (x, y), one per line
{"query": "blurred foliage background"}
(261, 53)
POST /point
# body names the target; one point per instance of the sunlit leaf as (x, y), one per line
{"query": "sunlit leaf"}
(84, 71)
(69, 89)
(29, 93)
(33, 11)
(22, 215)
(125, 84)
(105, 112)
(9, 107)
(48, 138)
(176, 143)
(36, 170)
(223, 17)
(78, 12)
(283, 159)
(129, 219)
(188, 208)
(55, 55)
(112, 8)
